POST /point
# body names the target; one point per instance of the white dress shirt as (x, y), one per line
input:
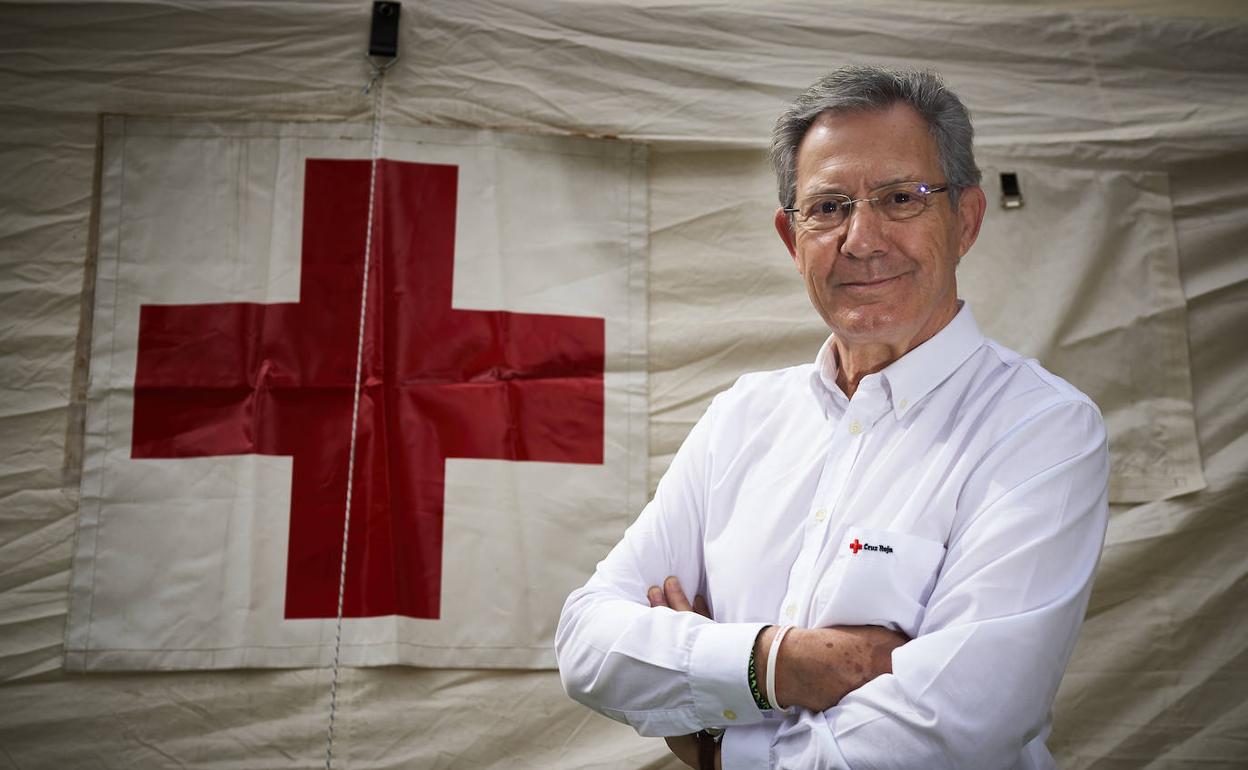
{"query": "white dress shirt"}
(959, 496)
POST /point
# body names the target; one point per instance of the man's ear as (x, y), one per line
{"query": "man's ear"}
(784, 227)
(971, 206)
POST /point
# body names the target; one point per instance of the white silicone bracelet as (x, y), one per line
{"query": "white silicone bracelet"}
(772, 655)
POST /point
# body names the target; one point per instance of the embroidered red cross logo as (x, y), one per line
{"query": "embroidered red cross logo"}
(855, 546)
(278, 379)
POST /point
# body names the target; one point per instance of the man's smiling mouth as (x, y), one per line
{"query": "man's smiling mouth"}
(869, 284)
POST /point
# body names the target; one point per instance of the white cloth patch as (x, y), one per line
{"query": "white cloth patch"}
(188, 552)
(1085, 277)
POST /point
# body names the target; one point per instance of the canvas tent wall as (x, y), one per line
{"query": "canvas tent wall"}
(1125, 123)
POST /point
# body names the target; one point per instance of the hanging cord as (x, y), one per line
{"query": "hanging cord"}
(377, 79)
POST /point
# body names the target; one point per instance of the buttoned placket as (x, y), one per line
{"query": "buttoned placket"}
(850, 424)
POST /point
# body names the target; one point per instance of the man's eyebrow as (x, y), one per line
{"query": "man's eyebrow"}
(829, 190)
(894, 180)
(836, 189)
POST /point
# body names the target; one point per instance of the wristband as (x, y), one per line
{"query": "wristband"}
(751, 676)
(772, 655)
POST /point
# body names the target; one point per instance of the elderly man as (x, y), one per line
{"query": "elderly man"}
(890, 548)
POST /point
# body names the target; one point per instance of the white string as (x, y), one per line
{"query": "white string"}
(378, 79)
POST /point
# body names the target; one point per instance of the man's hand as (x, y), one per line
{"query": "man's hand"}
(816, 667)
(685, 747)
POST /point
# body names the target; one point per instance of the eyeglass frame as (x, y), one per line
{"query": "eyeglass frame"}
(849, 203)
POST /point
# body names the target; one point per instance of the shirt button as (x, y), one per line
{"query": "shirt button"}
(790, 611)
(730, 715)
(855, 428)
(905, 403)
(820, 515)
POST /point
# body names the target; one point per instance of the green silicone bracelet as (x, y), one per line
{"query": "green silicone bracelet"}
(751, 676)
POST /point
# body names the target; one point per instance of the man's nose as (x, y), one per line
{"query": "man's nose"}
(864, 235)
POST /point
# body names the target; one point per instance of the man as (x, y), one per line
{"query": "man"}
(890, 549)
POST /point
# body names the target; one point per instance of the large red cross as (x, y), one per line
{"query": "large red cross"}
(246, 378)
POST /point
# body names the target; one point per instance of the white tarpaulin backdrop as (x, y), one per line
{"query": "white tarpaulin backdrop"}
(1126, 271)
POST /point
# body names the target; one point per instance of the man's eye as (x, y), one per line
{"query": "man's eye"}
(900, 197)
(825, 208)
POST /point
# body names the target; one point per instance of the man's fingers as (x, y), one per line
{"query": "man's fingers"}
(671, 595)
(676, 598)
(700, 606)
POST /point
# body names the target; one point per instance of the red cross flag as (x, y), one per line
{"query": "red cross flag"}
(501, 432)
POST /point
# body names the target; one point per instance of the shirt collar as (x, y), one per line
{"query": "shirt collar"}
(910, 378)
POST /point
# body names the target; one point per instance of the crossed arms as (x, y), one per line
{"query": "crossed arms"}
(972, 688)
(822, 665)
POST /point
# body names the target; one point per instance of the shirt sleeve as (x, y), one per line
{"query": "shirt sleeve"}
(976, 684)
(662, 672)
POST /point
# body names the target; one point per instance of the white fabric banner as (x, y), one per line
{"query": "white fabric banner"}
(1092, 290)
(503, 394)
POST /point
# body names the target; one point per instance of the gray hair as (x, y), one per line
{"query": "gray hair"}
(860, 88)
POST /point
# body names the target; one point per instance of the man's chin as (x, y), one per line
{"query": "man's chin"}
(866, 323)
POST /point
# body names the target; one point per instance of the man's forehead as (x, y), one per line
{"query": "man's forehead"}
(875, 148)
(896, 116)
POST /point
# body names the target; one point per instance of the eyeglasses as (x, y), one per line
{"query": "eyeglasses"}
(904, 200)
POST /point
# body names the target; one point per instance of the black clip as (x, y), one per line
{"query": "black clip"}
(383, 41)
(1011, 193)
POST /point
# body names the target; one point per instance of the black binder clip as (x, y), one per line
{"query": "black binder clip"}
(383, 40)
(1011, 193)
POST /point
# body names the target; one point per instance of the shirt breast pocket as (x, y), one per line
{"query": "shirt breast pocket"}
(878, 578)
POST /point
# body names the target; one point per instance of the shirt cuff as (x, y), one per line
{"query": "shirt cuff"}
(718, 663)
(747, 747)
